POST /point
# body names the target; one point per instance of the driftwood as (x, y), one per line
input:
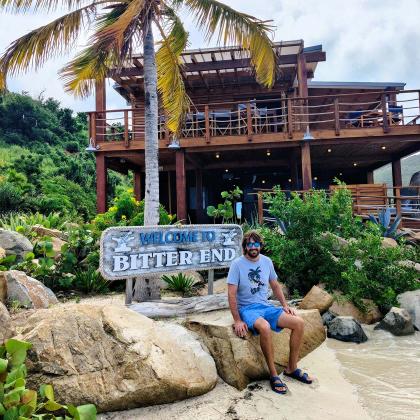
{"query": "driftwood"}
(184, 306)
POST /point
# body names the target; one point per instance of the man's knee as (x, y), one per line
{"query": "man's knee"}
(300, 323)
(262, 326)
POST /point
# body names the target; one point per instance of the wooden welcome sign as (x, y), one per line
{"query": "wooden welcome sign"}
(137, 251)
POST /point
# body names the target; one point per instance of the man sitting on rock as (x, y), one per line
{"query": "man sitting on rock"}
(248, 279)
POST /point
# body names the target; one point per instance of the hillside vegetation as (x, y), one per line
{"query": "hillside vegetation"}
(43, 163)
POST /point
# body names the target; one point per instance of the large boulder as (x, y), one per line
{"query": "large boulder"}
(240, 361)
(389, 243)
(15, 244)
(411, 302)
(114, 358)
(6, 329)
(52, 233)
(29, 292)
(327, 317)
(317, 298)
(2, 253)
(346, 328)
(397, 321)
(346, 308)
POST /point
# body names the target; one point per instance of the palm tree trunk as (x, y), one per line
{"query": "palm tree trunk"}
(148, 289)
(151, 200)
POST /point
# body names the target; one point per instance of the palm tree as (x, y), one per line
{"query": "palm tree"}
(118, 28)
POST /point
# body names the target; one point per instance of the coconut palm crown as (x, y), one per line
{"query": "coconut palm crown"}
(117, 29)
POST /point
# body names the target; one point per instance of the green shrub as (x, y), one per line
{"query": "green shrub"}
(225, 211)
(10, 197)
(19, 403)
(179, 282)
(90, 281)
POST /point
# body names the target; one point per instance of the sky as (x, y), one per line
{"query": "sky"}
(365, 40)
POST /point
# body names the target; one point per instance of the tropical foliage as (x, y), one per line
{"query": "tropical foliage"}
(20, 403)
(224, 211)
(179, 282)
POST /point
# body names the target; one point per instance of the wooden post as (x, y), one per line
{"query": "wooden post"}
(302, 78)
(126, 139)
(398, 202)
(128, 291)
(181, 186)
(306, 166)
(369, 177)
(100, 107)
(210, 282)
(260, 207)
(137, 185)
(289, 118)
(385, 122)
(396, 173)
(93, 127)
(207, 122)
(337, 116)
(249, 121)
(100, 183)
(199, 194)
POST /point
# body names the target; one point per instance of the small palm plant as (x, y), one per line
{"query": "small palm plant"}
(179, 283)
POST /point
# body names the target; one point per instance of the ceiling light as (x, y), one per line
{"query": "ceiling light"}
(354, 164)
(263, 181)
(217, 155)
(315, 178)
(329, 150)
(226, 170)
(268, 153)
(341, 173)
(383, 147)
(289, 180)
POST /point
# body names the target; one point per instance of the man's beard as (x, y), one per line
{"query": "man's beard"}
(253, 253)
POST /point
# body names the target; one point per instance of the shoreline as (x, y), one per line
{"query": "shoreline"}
(330, 397)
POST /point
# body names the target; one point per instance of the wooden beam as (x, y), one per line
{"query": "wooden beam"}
(396, 173)
(306, 166)
(248, 164)
(137, 185)
(369, 177)
(101, 183)
(181, 186)
(100, 106)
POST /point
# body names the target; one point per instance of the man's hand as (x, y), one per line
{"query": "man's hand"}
(289, 310)
(240, 328)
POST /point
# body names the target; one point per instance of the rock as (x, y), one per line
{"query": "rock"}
(317, 298)
(389, 243)
(410, 264)
(57, 244)
(198, 278)
(397, 321)
(29, 292)
(411, 302)
(53, 233)
(347, 308)
(6, 329)
(338, 242)
(346, 328)
(2, 253)
(241, 361)
(114, 358)
(219, 286)
(3, 287)
(327, 317)
(15, 244)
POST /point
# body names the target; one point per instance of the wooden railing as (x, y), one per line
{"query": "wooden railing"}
(403, 201)
(268, 116)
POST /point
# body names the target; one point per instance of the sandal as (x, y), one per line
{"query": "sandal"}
(275, 383)
(299, 376)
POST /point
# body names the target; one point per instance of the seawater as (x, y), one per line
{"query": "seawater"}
(385, 371)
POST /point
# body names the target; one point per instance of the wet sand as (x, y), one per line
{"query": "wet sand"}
(329, 397)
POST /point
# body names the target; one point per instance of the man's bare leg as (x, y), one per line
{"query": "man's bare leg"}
(296, 325)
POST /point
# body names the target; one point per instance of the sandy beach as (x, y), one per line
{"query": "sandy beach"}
(329, 397)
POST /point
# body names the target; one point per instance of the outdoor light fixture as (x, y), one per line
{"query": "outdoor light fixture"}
(268, 152)
(383, 147)
(174, 144)
(226, 170)
(263, 181)
(217, 155)
(341, 173)
(354, 164)
(308, 136)
(289, 180)
(315, 178)
(91, 147)
(329, 150)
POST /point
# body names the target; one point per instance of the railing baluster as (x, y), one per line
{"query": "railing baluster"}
(93, 124)
(337, 116)
(126, 139)
(385, 122)
(207, 122)
(249, 120)
(289, 118)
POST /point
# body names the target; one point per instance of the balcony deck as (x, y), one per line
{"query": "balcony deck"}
(274, 122)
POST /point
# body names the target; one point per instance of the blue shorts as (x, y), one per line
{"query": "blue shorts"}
(250, 313)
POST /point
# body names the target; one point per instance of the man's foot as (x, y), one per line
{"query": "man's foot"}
(277, 385)
(299, 375)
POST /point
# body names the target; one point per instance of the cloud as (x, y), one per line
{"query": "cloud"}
(365, 40)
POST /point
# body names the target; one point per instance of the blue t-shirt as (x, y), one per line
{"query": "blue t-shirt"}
(252, 279)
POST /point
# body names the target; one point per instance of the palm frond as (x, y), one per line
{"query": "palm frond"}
(33, 49)
(108, 48)
(235, 28)
(30, 6)
(171, 86)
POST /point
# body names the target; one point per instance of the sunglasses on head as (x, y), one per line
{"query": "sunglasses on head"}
(253, 245)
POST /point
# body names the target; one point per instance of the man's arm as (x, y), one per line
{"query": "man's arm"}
(278, 293)
(240, 327)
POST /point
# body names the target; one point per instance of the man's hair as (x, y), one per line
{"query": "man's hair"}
(254, 235)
